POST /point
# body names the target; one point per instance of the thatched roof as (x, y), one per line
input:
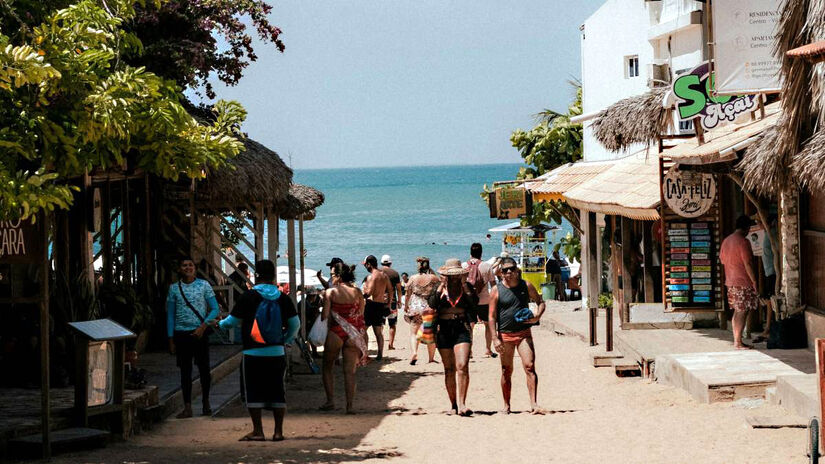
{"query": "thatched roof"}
(803, 93)
(629, 188)
(813, 52)
(809, 166)
(634, 120)
(301, 199)
(721, 143)
(257, 174)
(554, 184)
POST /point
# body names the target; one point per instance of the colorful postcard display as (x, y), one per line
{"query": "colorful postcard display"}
(690, 264)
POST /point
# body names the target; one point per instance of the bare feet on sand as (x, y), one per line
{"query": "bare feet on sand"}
(328, 406)
(537, 411)
(505, 411)
(278, 437)
(465, 412)
(252, 436)
(743, 347)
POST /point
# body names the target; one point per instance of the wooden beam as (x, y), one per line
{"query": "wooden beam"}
(614, 253)
(303, 283)
(45, 403)
(259, 232)
(627, 265)
(272, 238)
(647, 245)
(290, 237)
(592, 274)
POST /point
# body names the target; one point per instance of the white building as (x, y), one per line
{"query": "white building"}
(627, 46)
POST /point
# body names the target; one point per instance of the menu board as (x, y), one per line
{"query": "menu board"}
(689, 269)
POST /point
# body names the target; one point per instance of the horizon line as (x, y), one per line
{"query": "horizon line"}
(401, 166)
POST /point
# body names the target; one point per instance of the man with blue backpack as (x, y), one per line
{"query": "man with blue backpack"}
(268, 321)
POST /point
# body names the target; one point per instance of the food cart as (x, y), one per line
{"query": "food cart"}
(529, 246)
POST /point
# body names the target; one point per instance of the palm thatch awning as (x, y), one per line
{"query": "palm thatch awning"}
(721, 144)
(631, 121)
(301, 200)
(809, 165)
(256, 175)
(553, 185)
(629, 188)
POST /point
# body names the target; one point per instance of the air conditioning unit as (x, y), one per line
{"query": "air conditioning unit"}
(658, 75)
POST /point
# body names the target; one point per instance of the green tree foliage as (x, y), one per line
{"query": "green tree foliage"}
(553, 142)
(70, 104)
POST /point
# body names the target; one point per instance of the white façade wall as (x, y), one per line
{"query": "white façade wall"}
(616, 30)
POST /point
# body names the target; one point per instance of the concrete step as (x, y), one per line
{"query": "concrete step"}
(798, 395)
(722, 376)
(62, 441)
(770, 395)
(173, 402)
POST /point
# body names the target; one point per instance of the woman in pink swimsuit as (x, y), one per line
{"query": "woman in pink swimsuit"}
(344, 311)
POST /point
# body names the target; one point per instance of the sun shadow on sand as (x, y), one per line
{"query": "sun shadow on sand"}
(311, 435)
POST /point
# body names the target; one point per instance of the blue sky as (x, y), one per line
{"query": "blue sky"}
(405, 83)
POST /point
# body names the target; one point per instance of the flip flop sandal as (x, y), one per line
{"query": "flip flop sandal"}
(759, 339)
(274, 438)
(250, 437)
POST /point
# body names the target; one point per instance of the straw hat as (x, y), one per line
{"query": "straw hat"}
(452, 267)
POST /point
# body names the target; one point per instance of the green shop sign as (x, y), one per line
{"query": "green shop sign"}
(695, 98)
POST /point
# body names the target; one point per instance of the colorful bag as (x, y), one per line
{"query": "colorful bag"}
(267, 328)
(426, 334)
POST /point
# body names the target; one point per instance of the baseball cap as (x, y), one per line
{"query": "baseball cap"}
(386, 259)
(334, 261)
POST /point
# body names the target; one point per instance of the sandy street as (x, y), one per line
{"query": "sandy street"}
(600, 418)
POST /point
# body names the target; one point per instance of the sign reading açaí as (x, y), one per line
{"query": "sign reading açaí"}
(20, 241)
(689, 194)
(695, 98)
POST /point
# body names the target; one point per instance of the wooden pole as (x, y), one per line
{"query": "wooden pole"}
(820, 375)
(627, 265)
(45, 405)
(290, 238)
(593, 272)
(616, 295)
(647, 244)
(259, 232)
(303, 283)
(272, 238)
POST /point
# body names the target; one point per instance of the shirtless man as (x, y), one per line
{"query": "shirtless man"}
(376, 290)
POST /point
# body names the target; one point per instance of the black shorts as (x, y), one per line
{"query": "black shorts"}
(480, 314)
(263, 381)
(374, 313)
(392, 319)
(452, 332)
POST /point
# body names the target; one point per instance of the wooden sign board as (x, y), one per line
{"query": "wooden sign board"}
(689, 194)
(21, 242)
(690, 242)
(511, 203)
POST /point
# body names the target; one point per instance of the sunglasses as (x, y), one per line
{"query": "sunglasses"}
(506, 270)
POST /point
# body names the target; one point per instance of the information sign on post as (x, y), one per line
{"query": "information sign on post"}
(511, 203)
(744, 33)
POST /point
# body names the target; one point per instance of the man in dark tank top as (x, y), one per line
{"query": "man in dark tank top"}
(510, 321)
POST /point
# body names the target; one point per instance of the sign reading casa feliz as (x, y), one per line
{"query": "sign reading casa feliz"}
(689, 194)
(695, 98)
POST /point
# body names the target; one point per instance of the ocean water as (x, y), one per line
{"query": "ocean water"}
(404, 212)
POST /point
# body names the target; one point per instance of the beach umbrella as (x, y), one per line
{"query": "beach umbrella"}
(310, 278)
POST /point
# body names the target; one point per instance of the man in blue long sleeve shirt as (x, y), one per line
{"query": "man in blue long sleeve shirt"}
(190, 306)
(268, 321)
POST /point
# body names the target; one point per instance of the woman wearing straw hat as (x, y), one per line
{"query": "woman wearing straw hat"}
(419, 289)
(453, 300)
